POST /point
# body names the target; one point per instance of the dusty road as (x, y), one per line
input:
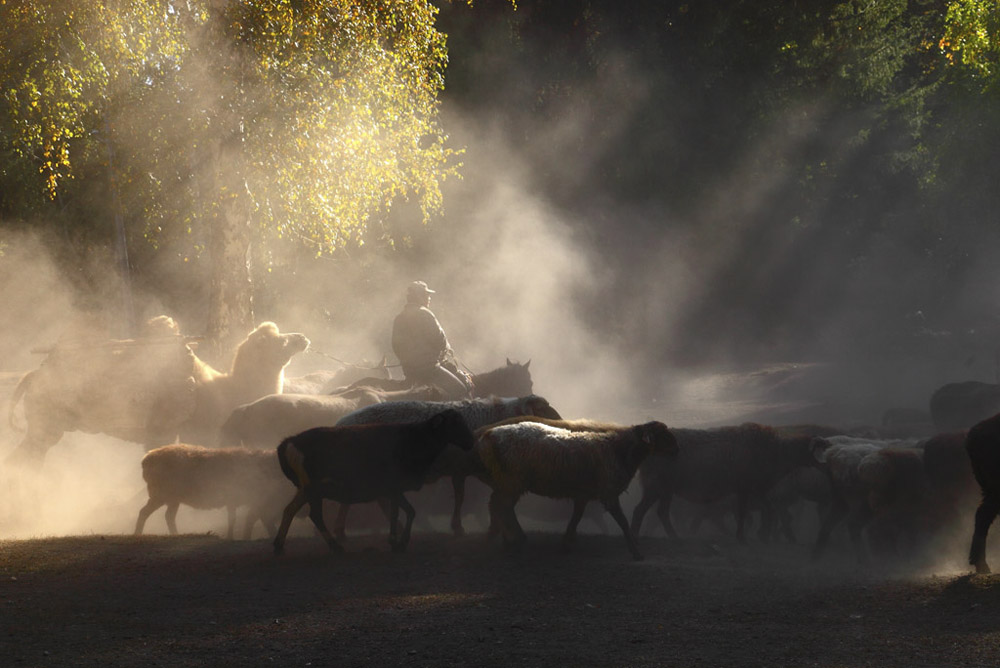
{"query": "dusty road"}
(198, 600)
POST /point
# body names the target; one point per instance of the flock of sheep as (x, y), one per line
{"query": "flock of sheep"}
(371, 441)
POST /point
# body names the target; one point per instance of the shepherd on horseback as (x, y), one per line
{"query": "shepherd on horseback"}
(419, 342)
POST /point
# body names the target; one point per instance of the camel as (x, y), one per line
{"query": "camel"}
(257, 371)
(146, 390)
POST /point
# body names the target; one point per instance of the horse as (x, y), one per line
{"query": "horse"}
(511, 380)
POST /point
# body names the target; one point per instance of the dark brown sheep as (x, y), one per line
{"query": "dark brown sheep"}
(363, 463)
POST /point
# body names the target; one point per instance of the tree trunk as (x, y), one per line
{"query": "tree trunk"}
(231, 291)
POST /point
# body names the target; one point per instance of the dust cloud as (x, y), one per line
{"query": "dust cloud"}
(627, 311)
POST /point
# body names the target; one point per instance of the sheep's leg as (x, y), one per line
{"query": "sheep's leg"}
(663, 512)
(399, 501)
(293, 507)
(785, 522)
(340, 524)
(458, 488)
(502, 509)
(172, 517)
(231, 516)
(741, 516)
(496, 519)
(615, 508)
(697, 518)
(499, 519)
(254, 513)
(855, 525)
(645, 503)
(393, 517)
(985, 514)
(766, 520)
(838, 510)
(316, 515)
(145, 512)
(519, 536)
(570, 536)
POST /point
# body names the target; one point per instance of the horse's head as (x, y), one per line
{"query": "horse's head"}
(511, 380)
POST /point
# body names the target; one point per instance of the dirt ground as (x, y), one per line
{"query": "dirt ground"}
(109, 599)
(198, 600)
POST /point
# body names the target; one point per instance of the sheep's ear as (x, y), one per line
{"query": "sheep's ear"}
(818, 447)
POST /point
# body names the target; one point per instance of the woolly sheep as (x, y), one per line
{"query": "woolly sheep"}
(745, 461)
(362, 463)
(207, 478)
(871, 478)
(563, 460)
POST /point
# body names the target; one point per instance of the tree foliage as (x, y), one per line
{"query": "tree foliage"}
(331, 104)
(972, 37)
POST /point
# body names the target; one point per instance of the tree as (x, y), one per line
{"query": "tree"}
(230, 121)
(972, 37)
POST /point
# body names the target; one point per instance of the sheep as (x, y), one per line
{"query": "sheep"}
(565, 460)
(746, 461)
(362, 463)
(983, 446)
(452, 463)
(871, 479)
(207, 478)
(265, 422)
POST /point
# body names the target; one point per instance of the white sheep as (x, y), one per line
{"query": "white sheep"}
(207, 478)
(582, 461)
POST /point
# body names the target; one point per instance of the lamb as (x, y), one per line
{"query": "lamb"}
(565, 460)
(983, 445)
(452, 463)
(746, 461)
(265, 422)
(362, 463)
(207, 478)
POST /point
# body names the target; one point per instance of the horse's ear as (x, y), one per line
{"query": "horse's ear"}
(527, 363)
(509, 363)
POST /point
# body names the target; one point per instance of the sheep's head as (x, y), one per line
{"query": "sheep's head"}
(661, 441)
(819, 447)
(539, 407)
